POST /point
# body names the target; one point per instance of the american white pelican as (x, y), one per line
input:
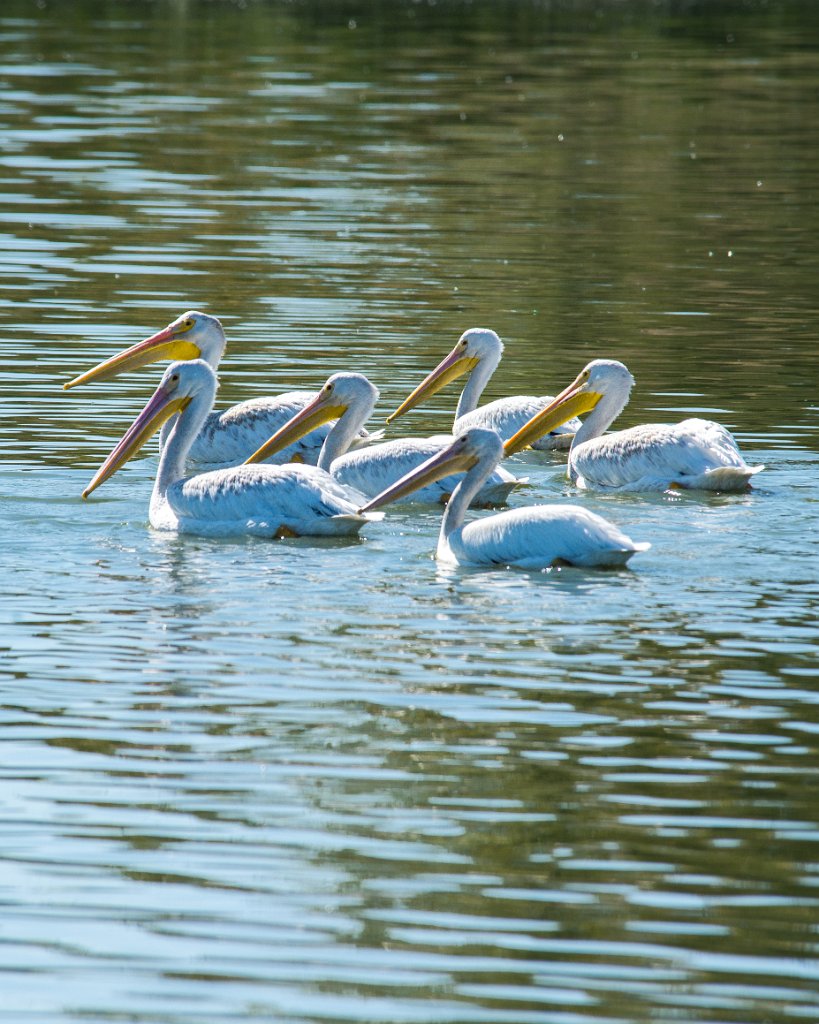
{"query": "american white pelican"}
(533, 537)
(693, 453)
(227, 437)
(262, 501)
(349, 398)
(478, 352)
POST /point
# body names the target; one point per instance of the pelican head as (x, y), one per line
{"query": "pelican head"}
(341, 392)
(477, 345)
(193, 335)
(468, 449)
(599, 379)
(180, 383)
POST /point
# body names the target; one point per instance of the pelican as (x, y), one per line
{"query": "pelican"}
(478, 352)
(349, 398)
(226, 437)
(534, 537)
(262, 501)
(693, 453)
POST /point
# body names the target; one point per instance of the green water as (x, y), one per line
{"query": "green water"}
(311, 782)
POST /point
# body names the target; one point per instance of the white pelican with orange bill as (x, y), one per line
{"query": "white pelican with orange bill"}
(349, 399)
(692, 454)
(533, 537)
(262, 501)
(227, 437)
(478, 352)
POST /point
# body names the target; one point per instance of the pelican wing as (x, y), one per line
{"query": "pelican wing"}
(538, 536)
(266, 501)
(654, 456)
(375, 468)
(229, 437)
(507, 415)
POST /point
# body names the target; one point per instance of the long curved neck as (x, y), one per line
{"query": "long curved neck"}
(345, 430)
(461, 498)
(165, 432)
(212, 345)
(601, 417)
(186, 427)
(598, 421)
(477, 381)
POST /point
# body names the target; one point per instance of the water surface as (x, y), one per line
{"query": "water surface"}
(331, 782)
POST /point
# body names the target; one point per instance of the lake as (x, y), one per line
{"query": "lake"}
(306, 781)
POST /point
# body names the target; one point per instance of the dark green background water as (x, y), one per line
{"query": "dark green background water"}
(300, 782)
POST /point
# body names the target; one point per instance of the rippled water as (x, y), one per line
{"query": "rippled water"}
(310, 781)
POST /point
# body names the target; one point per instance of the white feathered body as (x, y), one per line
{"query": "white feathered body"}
(693, 453)
(507, 415)
(538, 536)
(259, 500)
(228, 437)
(374, 468)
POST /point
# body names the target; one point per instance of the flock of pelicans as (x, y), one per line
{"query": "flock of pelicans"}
(303, 464)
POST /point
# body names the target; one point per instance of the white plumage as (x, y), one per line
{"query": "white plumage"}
(265, 501)
(694, 453)
(229, 436)
(478, 353)
(226, 437)
(534, 537)
(260, 501)
(350, 399)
